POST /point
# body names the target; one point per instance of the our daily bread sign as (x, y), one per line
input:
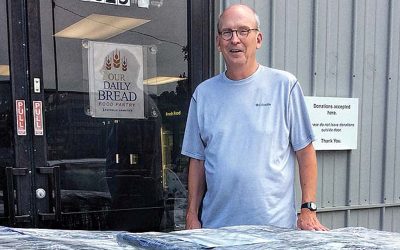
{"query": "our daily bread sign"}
(115, 80)
(334, 121)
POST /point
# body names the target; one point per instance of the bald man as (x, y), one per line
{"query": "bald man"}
(246, 128)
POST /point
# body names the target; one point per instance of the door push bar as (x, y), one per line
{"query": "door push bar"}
(55, 192)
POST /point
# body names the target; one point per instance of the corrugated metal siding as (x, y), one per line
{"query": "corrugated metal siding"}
(344, 48)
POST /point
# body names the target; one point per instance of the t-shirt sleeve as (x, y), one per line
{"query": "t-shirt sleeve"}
(301, 133)
(192, 145)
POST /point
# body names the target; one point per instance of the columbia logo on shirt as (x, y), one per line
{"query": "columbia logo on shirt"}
(263, 104)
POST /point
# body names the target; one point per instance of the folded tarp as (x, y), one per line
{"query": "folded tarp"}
(29, 238)
(264, 237)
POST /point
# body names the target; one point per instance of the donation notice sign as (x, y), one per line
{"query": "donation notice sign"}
(334, 121)
(115, 80)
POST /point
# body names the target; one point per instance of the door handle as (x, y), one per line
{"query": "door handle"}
(133, 159)
(54, 176)
(10, 173)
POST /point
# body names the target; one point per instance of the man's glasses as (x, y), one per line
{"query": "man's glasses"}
(240, 33)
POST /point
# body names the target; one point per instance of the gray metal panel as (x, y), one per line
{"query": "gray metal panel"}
(379, 99)
(374, 219)
(357, 40)
(263, 11)
(278, 40)
(388, 220)
(334, 219)
(395, 112)
(340, 177)
(391, 186)
(345, 48)
(305, 46)
(366, 84)
(391, 223)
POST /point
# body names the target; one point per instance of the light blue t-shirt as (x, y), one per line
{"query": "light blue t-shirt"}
(246, 131)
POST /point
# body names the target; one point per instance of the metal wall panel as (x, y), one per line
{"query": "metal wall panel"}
(344, 48)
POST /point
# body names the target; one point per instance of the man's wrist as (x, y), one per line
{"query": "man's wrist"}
(312, 206)
(190, 213)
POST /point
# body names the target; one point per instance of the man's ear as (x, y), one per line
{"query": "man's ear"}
(217, 40)
(259, 40)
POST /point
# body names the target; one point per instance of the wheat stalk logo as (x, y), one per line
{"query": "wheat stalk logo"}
(108, 63)
(117, 59)
(124, 64)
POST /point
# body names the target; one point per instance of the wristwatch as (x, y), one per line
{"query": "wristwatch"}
(310, 205)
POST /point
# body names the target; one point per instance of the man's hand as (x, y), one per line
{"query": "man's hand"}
(196, 189)
(307, 220)
(192, 221)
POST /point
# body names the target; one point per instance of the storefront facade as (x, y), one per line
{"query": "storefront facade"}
(69, 158)
(97, 148)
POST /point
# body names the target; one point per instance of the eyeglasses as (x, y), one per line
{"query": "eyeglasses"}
(240, 33)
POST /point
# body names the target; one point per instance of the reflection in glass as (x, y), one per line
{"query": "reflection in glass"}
(6, 145)
(117, 174)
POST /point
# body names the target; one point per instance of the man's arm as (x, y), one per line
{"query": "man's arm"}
(307, 159)
(196, 188)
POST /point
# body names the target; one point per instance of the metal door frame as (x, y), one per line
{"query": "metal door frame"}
(25, 66)
(19, 78)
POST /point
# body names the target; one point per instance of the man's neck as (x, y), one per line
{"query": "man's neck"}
(240, 72)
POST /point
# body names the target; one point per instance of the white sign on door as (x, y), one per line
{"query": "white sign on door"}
(114, 2)
(334, 121)
(21, 117)
(38, 117)
(115, 80)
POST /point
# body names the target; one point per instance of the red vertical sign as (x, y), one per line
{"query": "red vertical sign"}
(21, 117)
(38, 117)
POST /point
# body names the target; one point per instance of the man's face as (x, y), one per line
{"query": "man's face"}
(239, 50)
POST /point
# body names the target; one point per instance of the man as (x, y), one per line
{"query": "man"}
(245, 129)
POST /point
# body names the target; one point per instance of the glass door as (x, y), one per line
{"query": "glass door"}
(113, 113)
